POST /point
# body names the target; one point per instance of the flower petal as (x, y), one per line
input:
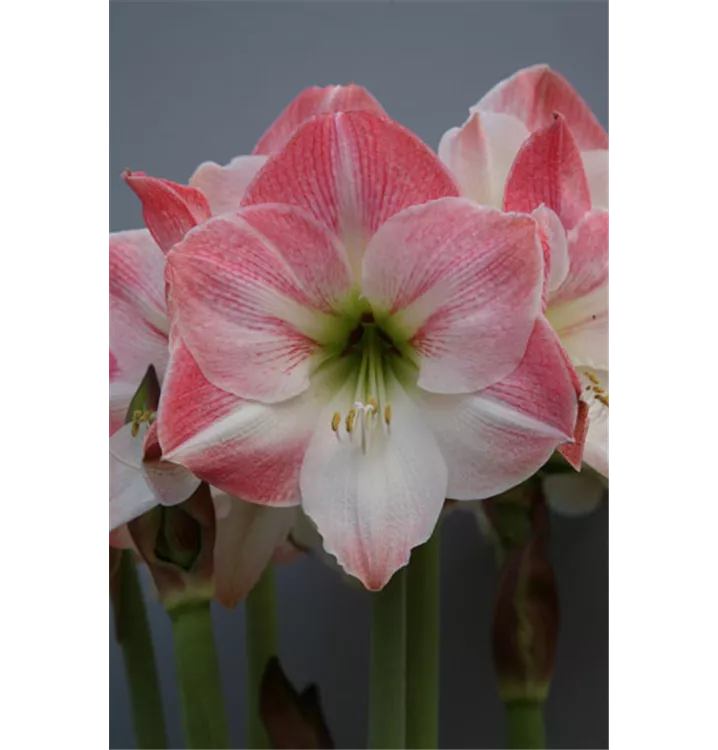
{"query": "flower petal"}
(595, 452)
(170, 210)
(246, 541)
(463, 282)
(495, 439)
(372, 507)
(572, 494)
(556, 265)
(314, 101)
(585, 340)
(253, 294)
(224, 186)
(130, 495)
(480, 154)
(534, 94)
(588, 258)
(548, 169)
(248, 449)
(170, 482)
(352, 171)
(138, 318)
(595, 164)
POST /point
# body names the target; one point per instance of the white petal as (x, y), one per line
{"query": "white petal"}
(372, 507)
(130, 495)
(595, 163)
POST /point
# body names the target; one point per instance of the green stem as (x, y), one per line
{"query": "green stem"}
(387, 697)
(261, 640)
(203, 715)
(422, 660)
(133, 634)
(524, 726)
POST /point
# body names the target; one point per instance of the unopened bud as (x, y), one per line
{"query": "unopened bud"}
(526, 612)
(177, 543)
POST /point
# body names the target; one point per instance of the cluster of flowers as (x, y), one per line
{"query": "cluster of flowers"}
(349, 328)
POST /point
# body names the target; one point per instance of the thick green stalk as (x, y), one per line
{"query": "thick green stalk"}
(203, 714)
(387, 696)
(133, 634)
(261, 640)
(422, 653)
(524, 726)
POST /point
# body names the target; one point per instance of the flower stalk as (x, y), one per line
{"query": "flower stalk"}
(261, 647)
(133, 634)
(422, 662)
(526, 611)
(387, 696)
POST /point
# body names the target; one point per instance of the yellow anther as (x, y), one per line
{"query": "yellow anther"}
(592, 377)
(138, 418)
(387, 413)
(372, 402)
(598, 389)
(602, 399)
(336, 419)
(349, 423)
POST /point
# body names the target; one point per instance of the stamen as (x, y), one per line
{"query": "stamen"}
(349, 424)
(592, 377)
(138, 418)
(336, 419)
(372, 403)
(387, 414)
(598, 389)
(602, 399)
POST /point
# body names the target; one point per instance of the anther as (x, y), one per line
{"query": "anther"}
(336, 419)
(598, 389)
(372, 402)
(349, 424)
(602, 399)
(387, 414)
(592, 377)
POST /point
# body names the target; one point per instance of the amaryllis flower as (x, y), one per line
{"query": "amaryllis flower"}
(532, 144)
(360, 337)
(247, 535)
(480, 152)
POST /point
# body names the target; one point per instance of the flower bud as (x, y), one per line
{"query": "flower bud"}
(526, 610)
(292, 719)
(177, 543)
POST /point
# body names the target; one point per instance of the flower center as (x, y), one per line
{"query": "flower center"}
(369, 413)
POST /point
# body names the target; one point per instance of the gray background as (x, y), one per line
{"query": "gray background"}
(197, 81)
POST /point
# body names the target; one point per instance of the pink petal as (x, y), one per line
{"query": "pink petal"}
(548, 169)
(170, 482)
(245, 448)
(572, 451)
(253, 294)
(224, 187)
(352, 171)
(588, 258)
(480, 154)
(169, 210)
(138, 318)
(495, 439)
(247, 539)
(311, 102)
(372, 507)
(534, 94)
(556, 260)
(463, 283)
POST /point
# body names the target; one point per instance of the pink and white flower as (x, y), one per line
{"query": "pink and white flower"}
(360, 337)
(533, 145)
(247, 535)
